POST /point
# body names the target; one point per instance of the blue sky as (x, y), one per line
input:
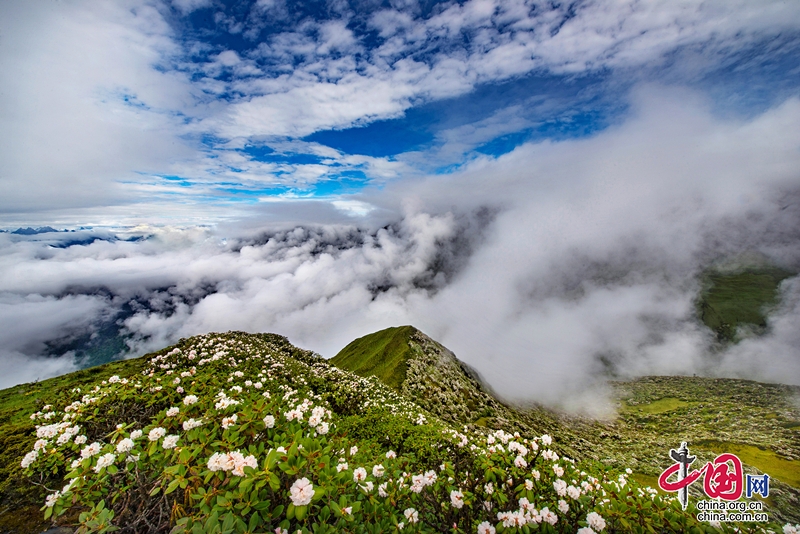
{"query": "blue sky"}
(115, 112)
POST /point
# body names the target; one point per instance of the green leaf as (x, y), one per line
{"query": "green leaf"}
(255, 520)
(300, 512)
(172, 486)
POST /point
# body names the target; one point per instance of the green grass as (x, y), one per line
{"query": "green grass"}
(764, 460)
(16, 405)
(661, 406)
(731, 300)
(382, 354)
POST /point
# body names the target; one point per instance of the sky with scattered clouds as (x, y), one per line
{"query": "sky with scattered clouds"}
(537, 184)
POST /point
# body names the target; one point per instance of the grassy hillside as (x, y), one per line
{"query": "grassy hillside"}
(730, 301)
(246, 433)
(383, 354)
(654, 415)
(20, 500)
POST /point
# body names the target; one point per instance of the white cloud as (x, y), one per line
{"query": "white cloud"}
(83, 108)
(583, 259)
(187, 6)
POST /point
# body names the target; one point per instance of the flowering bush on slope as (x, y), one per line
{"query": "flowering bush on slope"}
(242, 433)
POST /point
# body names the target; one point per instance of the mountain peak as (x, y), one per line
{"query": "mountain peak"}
(383, 354)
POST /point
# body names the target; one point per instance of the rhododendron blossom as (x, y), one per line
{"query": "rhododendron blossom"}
(301, 492)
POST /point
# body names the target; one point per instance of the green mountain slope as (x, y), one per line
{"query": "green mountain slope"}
(734, 302)
(654, 414)
(445, 386)
(383, 354)
(244, 433)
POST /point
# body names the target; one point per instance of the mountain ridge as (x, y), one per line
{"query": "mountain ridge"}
(372, 414)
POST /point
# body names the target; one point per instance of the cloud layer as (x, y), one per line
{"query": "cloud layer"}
(549, 269)
(145, 110)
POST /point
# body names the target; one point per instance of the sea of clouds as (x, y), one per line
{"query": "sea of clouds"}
(549, 269)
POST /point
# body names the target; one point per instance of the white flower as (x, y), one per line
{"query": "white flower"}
(171, 441)
(301, 492)
(536, 474)
(192, 423)
(232, 461)
(136, 434)
(528, 484)
(573, 492)
(486, 528)
(323, 428)
(189, 400)
(412, 516)
(341, 467)
(378, 471)
(40, 445)
(219, 462)
(548, 516)
(359, 474)
(367, 486)
(90, 450)
(596, 521)
(547, 440)
(104, 461)
(294, 414)
(382, 490)
(67, 487)
(353, 450)
(489, 488)
(457, 498)
(563, 506)
(520, 462)
(430, 477)
(228, 422)
(269, 421)
(172, 412)
(240, 462)
(29, 459)
(125, 445)
(156, 434)
(512, 519)
(225, 402)
(585, 530)
(561, 487)
(80, 440)
(400, 525)
(558, 470)
(391, 455)
(51, 500)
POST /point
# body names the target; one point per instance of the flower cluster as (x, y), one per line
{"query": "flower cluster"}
(234, 462)
(289, 429)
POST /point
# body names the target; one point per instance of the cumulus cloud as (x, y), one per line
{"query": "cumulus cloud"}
(83, 109)
(104, 103)
(549, 269)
